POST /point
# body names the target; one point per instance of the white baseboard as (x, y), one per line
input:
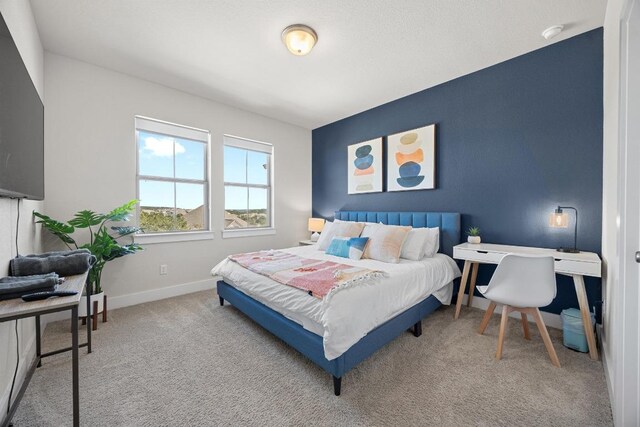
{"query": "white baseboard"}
(608, 375)
(161, 293)
(550, 319)
(26, 361)
(146, 296)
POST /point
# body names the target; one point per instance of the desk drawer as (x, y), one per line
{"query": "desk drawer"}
(565, 266)
(487, 257)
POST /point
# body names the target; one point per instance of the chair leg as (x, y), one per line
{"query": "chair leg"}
(487, 317)
(503, 327)
(525, 325)
(545, 337)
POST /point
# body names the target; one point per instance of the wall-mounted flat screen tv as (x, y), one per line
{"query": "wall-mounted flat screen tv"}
(21, 125)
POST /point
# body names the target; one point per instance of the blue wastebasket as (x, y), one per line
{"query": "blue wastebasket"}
(573, 335)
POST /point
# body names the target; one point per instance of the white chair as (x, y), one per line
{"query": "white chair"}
(521, 283)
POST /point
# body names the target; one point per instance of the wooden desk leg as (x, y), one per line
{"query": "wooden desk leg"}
(578, 281)
(472, 285)
(463, 286)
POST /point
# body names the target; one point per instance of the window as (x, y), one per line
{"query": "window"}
(247, 184)
(173, 186)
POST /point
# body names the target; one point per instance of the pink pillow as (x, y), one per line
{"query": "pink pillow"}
(385, 242)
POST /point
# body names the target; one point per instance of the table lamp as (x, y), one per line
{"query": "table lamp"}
(560, 219)
(316, 225)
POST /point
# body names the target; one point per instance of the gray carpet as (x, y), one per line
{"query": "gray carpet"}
(188, 361)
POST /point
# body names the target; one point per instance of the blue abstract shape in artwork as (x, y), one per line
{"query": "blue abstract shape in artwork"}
(364, 162)
(363, 151)
(409, 169)
(410, 181)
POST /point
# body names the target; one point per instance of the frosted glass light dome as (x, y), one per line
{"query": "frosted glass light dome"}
(299, 39)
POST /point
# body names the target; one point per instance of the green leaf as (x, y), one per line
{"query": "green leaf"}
(122, 213)
(473, 231)
(85, 219)
(104, 246)
(123, 250)
(125, 231)
(59, 229)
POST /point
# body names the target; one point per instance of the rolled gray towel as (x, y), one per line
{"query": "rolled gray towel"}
(66, 263)
(15, 287)
(58, 253)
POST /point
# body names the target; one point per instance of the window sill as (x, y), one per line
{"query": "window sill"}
(152, 238)
(247, 232)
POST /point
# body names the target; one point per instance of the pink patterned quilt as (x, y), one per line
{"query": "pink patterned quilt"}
(316, 277)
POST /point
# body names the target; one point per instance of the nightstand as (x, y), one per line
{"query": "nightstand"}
(306, 242)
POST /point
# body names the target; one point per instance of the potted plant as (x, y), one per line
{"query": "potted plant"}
(103, 244)
(473, 235)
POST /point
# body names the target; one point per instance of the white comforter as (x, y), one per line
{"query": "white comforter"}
(349, 313)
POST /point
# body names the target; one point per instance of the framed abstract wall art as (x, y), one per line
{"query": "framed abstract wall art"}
(365, 167)
(411, 159)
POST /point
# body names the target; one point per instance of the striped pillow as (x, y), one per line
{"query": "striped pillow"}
(385, 242)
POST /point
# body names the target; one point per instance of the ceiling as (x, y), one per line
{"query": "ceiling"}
(369, 52)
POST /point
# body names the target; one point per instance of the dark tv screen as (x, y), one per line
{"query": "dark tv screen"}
(21, 125)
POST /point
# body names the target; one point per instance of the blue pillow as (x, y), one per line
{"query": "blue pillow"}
(346, 247)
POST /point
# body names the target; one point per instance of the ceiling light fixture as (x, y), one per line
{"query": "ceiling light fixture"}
(299, 39)
(551, 32)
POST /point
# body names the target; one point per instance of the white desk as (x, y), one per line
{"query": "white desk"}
(575, 265)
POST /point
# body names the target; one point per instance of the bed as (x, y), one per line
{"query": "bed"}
(317, 329)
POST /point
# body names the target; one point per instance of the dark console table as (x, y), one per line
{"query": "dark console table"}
(15, 309)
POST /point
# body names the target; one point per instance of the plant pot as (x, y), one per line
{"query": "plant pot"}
(82, 308)
(473, 239)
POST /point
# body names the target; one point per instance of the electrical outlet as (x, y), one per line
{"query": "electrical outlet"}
(163, 269)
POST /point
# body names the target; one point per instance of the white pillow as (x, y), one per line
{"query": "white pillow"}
(421, 243)
(369, 228)
(326, 234)
(432, 245)
(385, 242)
(416, 244)
(338, 229)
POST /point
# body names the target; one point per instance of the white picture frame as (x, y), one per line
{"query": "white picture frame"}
(364, 167)
(411, 159)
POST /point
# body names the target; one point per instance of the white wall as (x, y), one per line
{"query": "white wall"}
(91, 164)
(610, 186)
(19, 19)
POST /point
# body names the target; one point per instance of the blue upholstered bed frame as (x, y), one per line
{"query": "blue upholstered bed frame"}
(310, 344)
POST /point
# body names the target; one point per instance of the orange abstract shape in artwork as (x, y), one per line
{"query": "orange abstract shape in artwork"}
(417, 156)
(368, 171)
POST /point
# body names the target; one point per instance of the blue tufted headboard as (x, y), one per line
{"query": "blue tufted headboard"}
(448, 222)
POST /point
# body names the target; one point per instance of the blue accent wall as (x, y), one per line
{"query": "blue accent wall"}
(513, 141)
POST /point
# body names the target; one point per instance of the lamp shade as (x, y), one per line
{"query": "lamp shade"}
(558, 220)
(316, 224)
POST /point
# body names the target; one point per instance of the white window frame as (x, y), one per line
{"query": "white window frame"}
(263, 147)
(184, 132)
